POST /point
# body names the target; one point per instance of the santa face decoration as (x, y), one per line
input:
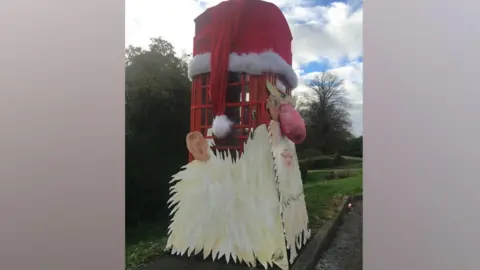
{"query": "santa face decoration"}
(251, 208)
(231, 207)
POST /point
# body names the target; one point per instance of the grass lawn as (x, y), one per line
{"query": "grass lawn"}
(323, 197)
(146, 243)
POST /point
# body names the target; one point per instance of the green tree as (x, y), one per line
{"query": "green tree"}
(355, 147)
(157, 93)
(325, 110)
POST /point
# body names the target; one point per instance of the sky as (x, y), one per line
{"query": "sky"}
(327, 36)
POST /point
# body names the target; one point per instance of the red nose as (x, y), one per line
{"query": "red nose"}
(292, 124)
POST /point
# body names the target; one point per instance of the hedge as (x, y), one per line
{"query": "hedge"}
(324, 162)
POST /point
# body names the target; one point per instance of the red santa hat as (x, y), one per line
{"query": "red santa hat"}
(250, 36)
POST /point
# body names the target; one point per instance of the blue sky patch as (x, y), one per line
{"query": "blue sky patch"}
(315, 66)
(324, 65)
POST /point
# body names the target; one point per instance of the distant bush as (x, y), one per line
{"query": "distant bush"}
(331, 175)
(329, 162)
(337, 160)
(345, 173)
(306, 163)
(309, 153)
(357, 165)
(323, 162)
(356, 154)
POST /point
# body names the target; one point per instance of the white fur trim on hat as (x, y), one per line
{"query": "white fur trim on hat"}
(251, 63)
(281, 87)
(221, 126)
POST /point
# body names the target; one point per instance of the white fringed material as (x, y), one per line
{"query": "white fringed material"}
(229, 209)
(251, 63)
(232, 209)
(290, 188)
(221, 126)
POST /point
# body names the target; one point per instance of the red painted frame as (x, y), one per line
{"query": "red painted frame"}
(201, 116)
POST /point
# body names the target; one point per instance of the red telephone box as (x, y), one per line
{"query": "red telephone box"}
(256, 48)
(242, 75)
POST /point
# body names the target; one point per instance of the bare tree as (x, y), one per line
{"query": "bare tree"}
(325, 110)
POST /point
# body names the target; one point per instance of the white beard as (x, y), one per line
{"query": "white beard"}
(290, 189)
(232, 209)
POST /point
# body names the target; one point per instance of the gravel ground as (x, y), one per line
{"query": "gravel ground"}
(345, 252)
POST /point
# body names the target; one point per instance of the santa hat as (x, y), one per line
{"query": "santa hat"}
(250, 36)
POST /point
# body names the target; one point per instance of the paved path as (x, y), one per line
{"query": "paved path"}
(345, 252)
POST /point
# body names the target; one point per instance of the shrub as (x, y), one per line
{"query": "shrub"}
(343, 174)
(331, 175)
(339, 174)
(309, 153)
(322, 163)
(356, 154)
(306, 163)
(357, 165)
(329, 162)
(338, 160)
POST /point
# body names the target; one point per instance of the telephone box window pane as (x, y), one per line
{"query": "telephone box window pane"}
(246, 115)
(209, 117)
(203, 117)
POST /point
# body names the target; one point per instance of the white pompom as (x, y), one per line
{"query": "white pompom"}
(221, 126)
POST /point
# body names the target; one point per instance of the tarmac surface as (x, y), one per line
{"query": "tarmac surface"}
(345, 251)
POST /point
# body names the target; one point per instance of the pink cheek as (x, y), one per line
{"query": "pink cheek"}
(292, 124)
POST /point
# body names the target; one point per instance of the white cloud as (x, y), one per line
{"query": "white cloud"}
(172, 20)
(352, 75)
(320, 33)
(329, 33)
